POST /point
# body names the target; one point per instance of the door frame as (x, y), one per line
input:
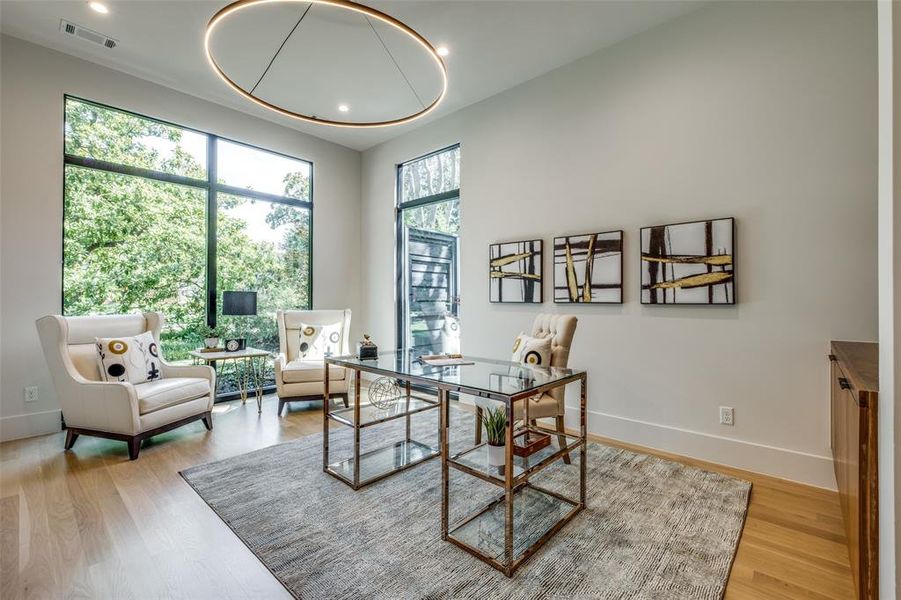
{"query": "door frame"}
(400, 249)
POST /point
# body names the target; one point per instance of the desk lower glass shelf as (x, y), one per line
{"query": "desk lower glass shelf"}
(378, 463)
(537, 514)
(367, 467)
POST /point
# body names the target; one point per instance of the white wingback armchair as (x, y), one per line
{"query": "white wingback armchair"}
(114, 410)
(298, 379)
(561, 329)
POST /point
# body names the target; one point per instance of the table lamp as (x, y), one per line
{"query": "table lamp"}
(238, 304)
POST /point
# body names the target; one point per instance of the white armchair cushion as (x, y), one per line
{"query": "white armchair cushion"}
(129, 359)
(163, 393)
(540, 407)
(308, 371)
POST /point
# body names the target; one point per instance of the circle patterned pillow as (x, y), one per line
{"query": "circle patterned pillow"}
(532, 351)
(129, 359)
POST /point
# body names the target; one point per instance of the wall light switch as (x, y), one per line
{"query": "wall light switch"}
(727, 415)
(31, 393)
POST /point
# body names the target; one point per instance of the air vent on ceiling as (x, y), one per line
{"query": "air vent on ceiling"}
(86, 34)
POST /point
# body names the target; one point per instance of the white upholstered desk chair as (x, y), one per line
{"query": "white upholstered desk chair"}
(120, 411)
(561, 329)
(298, 379)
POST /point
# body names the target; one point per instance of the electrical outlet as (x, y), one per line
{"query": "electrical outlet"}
(727, 415)
(31, 393)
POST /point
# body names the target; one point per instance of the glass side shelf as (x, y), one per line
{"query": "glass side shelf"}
(476, 459)
(535, 513)
(371, 414)
(383, 461)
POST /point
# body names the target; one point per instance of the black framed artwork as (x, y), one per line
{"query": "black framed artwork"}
(514, 270)
(588, 268)
(689, 263)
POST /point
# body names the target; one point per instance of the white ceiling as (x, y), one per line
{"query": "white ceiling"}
(494, 45)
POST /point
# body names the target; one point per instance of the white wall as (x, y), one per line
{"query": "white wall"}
(34, 80)
(889, 297)
(761, 111)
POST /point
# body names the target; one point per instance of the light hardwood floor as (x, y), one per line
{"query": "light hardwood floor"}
(92, 524)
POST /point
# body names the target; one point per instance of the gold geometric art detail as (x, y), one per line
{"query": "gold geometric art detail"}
(716, 260)
(510, 258)
(694, 281)
(510, 275)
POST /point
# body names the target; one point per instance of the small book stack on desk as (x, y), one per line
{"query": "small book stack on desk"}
(444, 360)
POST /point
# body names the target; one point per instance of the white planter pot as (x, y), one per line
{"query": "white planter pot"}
(211, 342)
(496, 455)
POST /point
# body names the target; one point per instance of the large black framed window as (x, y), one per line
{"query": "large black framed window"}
(428, 265)
(163, 217)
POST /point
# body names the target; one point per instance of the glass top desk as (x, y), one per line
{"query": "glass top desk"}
(539, 513)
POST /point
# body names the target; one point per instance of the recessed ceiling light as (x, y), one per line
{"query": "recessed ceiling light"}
(98, 7)
(343, 107)
(442, 50)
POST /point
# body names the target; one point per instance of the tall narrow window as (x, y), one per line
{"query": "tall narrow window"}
(428, 227)
(146, 219)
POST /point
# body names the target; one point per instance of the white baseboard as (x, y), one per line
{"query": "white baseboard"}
(797, 466)
(802, 467)
(29, 425)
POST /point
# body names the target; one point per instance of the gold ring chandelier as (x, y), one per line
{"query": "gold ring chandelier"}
(365, 11)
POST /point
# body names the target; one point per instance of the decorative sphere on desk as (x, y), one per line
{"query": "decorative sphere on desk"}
(383, 392)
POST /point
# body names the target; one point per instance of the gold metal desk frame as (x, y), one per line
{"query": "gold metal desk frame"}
(513, 477)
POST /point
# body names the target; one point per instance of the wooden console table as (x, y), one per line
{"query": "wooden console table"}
(855, 392)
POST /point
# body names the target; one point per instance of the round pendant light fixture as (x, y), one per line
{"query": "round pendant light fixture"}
(342, 16)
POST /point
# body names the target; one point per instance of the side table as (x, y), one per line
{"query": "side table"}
(249, 369)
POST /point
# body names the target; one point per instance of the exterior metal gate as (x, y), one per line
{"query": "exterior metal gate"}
(432, 287)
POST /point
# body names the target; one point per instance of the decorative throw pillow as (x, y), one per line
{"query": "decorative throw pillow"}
(450, 335)
(129, 359)
(531, 350)
(318, 341)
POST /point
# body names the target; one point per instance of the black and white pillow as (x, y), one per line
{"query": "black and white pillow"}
(450, 335)
(129, 359)
(532, 351)
(319, 341)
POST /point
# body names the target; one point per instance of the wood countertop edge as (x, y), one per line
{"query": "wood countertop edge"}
(860, 363)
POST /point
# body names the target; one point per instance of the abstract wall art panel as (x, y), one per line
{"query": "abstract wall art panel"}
(688, 263)
(515, 272)
(588, 268)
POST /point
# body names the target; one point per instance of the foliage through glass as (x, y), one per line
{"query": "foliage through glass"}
(430, 175)
(134, 243)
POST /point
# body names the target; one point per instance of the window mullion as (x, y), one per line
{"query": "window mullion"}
(103, 165)
(211, 222)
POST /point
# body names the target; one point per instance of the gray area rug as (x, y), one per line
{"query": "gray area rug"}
(652, 528)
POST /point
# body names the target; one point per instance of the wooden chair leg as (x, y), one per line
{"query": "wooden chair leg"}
(208, 421)
(562, 439)
(478, 436)
(281, 406)
(71, 436)
(134, 448)
(346, 403)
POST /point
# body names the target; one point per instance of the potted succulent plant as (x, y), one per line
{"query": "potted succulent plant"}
(211, 336)
(495, 422)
